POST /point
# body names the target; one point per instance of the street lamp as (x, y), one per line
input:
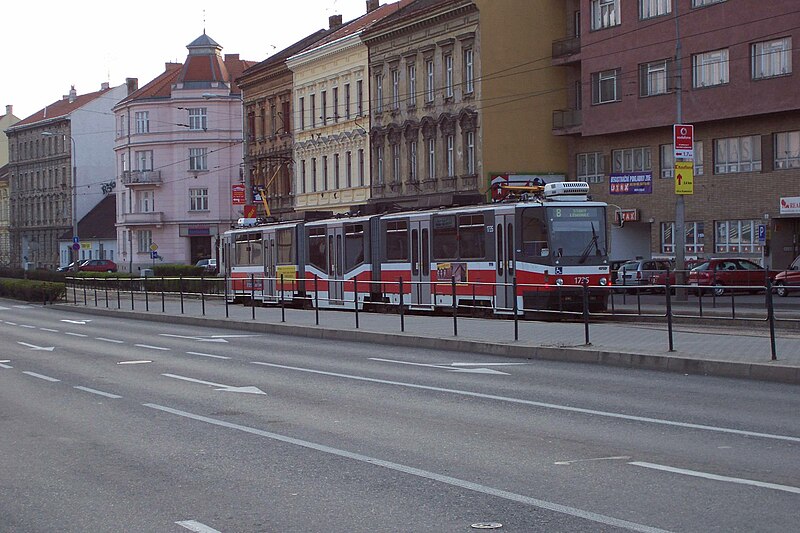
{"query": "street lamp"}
(74, 196)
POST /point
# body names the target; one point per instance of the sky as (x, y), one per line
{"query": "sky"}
(52, 45)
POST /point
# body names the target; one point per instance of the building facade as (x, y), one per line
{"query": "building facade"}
(425, 92)
(6, 121)
(732, 78)
(179, 152)
(61, 164)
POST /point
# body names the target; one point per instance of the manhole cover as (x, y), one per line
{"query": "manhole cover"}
(487, 525)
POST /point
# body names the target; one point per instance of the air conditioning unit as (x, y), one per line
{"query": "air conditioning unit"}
(566, 190)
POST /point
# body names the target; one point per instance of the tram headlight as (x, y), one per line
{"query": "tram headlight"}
(603, 282)
(559, 281)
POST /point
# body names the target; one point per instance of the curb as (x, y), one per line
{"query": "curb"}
(685, 365)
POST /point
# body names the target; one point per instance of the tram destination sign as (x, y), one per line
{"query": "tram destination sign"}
(631, 183)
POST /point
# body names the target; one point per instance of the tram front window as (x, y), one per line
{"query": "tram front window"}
(578, 233)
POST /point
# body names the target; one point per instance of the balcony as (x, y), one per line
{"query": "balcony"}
(566, 121)
(152, 218)
(132, 178)
(566, 51)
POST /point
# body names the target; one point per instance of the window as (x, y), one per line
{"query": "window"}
(144, 160)
(198, 118)
(451, 171)
(144, 238)
(693, 242)
(198, 159)
(429, 85)
(273, 119)
(395, 89)
(347, 101)
(285, 240)
(335, 104)
(145, 201)
(470, 148)
(360, 98)
(787, 150)
(397, 240)
(313, 104)
(653, 78)
(605, 86)
(605, 13)
(412, 162)
(378, 93)
(318, 249)
(301, 104)
(631, 160)
(324, 105)
(286, 115)
(336, 183)
(701, 3)
(469, 71)
(667, 160)
(590, 167)
(313, 174)
(710, 68)
(737, 154)
(412, 84)
(353, 245)
(396, 162)
(772, 58)
(431, 158)
(379, 164)
(324, 172)
(471, 240)
(303, 176)
(448, 75)
(654, 8)
(142, 121)
(348, 161)
(121, 130)
(737, 236)
(198, 199)
(361, 176)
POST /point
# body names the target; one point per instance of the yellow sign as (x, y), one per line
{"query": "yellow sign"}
(684, 177)
(86, 246)
(289, 272)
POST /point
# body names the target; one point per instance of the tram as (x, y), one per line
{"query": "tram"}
(534, 253)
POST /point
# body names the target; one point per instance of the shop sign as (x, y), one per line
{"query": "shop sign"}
(631, 183)
(626, 215)
(683, 141)
(790, 205)
(237, 194)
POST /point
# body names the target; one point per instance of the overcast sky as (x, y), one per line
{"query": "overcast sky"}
(53, 44)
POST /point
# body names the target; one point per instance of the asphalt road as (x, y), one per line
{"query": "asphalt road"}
(133, 426)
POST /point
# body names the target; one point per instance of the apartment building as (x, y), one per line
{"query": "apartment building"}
(7, 120)
(727, 67)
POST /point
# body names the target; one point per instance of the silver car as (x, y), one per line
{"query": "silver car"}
(638, 273)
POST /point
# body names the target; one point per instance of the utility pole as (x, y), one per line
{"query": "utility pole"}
(680, 205)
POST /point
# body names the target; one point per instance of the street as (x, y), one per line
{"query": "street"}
(112, 424)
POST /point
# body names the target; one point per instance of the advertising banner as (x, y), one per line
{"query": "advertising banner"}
(684, 177)
(237, 194)
(631, 183)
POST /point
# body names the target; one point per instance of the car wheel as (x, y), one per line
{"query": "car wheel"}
(109, 271)
(781, 290)
(719, 289)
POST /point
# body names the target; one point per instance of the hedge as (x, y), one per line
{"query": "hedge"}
(31, 290)
(39, 275)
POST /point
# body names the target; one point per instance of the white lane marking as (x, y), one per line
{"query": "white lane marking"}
(225, 388)
(23, 306)
(115, 341)
(615, 458)
(468, 485)
(133, 362)
(443, 367)
(4, 308)
(487, 364)
(27, 326)
(151, 347)
(81, 322)
(715, 477)
(208, 355)
(34, 347)
(5, 366)
(197, 527)
(95, 391)
(40, 376)
(75, 334)
(194, 338)
(50, 330)
(543, 404)
(10, 323)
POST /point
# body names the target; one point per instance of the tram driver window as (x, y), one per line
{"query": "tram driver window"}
(397, 240)
(534, 234)
(445, 238)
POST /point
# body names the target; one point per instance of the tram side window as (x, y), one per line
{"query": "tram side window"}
(445, 237)
(353, 245)
(255, 252)
(248, 249)
(318, 249)
(471, 237)
(534, 234)
(285, 238)
(397, 240)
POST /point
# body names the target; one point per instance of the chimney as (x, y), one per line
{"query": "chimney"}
(9, 109)
(231, 57)
(132, 84)
(104, 86)
(73, 94)
(372, 5)
(334, 21)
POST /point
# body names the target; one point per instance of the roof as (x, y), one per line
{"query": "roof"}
(283, 55)
(60, 108)
(415, 9)
(204, 41)
(98, 223)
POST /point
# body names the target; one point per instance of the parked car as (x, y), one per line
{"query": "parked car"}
(660, 278)
(72, 266)
(788, 278)
(637, 273)
(716, 274)
(98, 265)
(210, 265)
(613, 267)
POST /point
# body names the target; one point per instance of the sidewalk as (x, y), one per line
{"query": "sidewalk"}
(741, 352)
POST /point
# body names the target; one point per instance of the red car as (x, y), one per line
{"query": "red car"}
(716, 274)
(98, 265)
(788, 278)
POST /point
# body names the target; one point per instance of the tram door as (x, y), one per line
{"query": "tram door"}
(335, 266)
(506, 261)
(270, 260)
(420, 262)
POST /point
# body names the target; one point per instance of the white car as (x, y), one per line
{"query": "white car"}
(210, 265)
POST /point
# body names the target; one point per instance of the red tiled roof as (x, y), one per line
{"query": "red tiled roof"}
(60, 108)
(160, 87)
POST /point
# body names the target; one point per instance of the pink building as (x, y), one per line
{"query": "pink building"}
(179, 153)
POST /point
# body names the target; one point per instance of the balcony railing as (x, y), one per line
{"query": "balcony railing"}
(566, 118)
(564, 48)
(143, 219)
(141, 177)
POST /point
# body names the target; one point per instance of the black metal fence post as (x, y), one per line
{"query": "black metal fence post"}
(146, 297)
(355, 298)
(455, 305)
(226, 295)
(162, 295)
(316, 298)
(586, 313)
(133, 305)
(74, 291)
(95, 293)
(202, 294)
(106, 288)
(402, 305)
(180, 290)
(771, 319)
(668, 293)
(253, 296)
(283, 303)
(516, 318)
(83, 282)
(119, 298)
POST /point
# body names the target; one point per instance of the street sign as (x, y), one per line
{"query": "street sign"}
(684, 177)
(75, 239)
(237, 194)
(683, 141)
(153, 255)
(762, 233)
(76, 246)
(153, 247)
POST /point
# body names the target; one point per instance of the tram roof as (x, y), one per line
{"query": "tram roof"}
(498, 207)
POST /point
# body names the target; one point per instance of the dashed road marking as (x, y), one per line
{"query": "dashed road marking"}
(40, 376)
(98, 392)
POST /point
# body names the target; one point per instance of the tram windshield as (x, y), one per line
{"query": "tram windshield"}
(577, 232)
